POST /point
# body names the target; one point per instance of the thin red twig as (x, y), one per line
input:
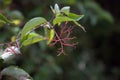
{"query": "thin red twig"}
(63, 38)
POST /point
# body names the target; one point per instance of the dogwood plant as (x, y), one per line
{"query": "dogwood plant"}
(53, 36)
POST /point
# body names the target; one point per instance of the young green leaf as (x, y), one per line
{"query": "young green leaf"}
(75, 16)
(65, 10)
(32, 34)
(32, 38)
(4, 19)
(79, 25)
(61, 19)
(30, 25)
(17, 73)
(51, 36)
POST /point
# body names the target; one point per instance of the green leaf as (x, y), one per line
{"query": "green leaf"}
(79, 25)
(61, 19)
(4, 19)
(30, 35)
(51, 36)
(52, 9)
(30, 25)
(16, 73)
(32, 38)
(65, 9)
(75, 16)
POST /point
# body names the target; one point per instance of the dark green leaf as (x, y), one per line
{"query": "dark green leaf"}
(16, 72)
(30, 25)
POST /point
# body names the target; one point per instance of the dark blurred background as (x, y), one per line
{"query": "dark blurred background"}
(97, 55)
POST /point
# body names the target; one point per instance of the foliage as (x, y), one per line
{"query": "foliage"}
(96, 57)
(18, 73)
(28, 36)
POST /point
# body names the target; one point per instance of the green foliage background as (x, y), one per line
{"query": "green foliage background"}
(96, 57)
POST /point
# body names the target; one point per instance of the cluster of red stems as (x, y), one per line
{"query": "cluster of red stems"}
(63, 38)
